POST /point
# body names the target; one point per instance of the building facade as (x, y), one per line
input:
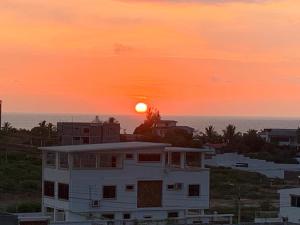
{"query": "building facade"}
(162, 127)
(124, 181)
(78, 133)
(290, 205)
(282, 137)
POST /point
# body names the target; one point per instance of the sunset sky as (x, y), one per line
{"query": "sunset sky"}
(186, 57)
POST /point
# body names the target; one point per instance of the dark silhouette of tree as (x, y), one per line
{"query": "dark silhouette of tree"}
(152, 118)
(229, 133)
(211, 135)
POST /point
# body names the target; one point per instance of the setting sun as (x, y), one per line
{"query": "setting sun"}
(141, 107)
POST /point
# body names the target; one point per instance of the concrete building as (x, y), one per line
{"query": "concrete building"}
(282, 137)
(78, 133)
(126, 181)
(290, 205)
(162, 127)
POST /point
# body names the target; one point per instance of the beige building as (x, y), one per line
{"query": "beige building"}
(96, 132)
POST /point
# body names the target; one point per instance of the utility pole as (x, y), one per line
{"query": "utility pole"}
(239, 204)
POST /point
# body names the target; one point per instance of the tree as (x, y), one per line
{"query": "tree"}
(152, 118)
(229, 133)
(210, 135)
(298, 135)
(7, 127)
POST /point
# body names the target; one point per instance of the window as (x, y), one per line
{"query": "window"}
(130, 187)
(175, 159)
(76, 160)
(88, 160)
(63, 191)
(86, 130)
(193, 159)
(107, 160)
(108, 216)
(194, 190)
(172, 214)
(50, 212)
(129, 156)
(63, 160)
(143, 157)
(170, 187)
(295, 201)
(126, 216)
(51, 159)
(85, 140)
(49, 188)
(76, 138)
(109, 192)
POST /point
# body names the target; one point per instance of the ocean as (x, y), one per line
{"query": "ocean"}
(129, 122)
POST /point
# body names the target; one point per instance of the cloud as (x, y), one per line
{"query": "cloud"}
(121, 49)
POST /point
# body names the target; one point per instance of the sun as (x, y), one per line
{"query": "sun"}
(141, 107)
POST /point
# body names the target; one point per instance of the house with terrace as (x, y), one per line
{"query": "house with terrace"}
(125, 182)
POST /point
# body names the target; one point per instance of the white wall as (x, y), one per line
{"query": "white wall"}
(292, 213)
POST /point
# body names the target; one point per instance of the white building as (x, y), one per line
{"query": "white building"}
(124, 181)
(162, 127)
(282, 137)
(290, 205)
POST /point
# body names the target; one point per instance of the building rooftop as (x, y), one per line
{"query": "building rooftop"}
(182, 149)
(106, 146)
(281, 132)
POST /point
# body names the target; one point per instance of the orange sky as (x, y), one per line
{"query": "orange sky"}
(190, 57)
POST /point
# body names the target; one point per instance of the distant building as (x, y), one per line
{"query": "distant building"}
(162, 127)
(126, 182)
(95, 132)
(0, 114)
(290, 205)
(282, 137)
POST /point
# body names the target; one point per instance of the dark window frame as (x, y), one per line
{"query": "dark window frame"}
(49, 189)
(173, 214)
(194, 190)
(109, 194)
(149, 157)
(63, 191)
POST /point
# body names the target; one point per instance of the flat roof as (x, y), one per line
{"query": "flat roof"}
(183, 149)
(105, 146)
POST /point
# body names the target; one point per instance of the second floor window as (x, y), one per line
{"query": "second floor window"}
(49, 188)
(109, 192)
(175, 159)
(144, 157)
(63, 160)
(51, 159)
(88, 160)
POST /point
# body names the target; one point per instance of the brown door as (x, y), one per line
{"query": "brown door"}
(149, 194)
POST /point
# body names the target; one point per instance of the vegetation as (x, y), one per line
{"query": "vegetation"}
(255, 191)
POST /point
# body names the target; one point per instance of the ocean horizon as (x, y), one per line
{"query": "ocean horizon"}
(129, 122)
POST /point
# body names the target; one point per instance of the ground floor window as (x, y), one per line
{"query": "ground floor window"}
(49, 188)
(50, 212)
(295, 200)
(63, 191)
(194, 190)
(172, 214)
(108, 216)
(109, 192)
(126, 216)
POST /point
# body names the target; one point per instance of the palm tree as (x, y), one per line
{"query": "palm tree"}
(7, 127)
(229, 133)
(210, 134)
